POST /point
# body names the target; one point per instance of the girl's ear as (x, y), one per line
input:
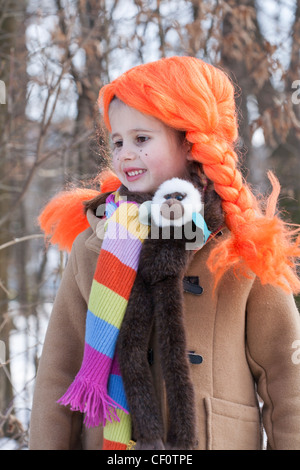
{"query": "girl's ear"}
(187, 147)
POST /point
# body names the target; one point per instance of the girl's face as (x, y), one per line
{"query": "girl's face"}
(145, 151)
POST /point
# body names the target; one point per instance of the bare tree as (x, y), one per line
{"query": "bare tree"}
(11, 50)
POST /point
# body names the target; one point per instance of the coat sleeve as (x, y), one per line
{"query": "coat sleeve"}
(273, 334)
(53, 426)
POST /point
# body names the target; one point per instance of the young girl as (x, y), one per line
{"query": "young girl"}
(176, 117)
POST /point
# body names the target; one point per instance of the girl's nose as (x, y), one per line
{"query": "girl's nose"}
(127, 154)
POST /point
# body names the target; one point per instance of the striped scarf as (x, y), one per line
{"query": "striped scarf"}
(97, 389)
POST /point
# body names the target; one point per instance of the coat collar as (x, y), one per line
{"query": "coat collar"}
(94, 241)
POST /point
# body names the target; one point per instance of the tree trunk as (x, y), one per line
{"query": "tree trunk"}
(7, 37)
(13, 73)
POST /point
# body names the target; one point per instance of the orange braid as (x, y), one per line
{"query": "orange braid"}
(219, 164)
(192, 96)
(63, 217)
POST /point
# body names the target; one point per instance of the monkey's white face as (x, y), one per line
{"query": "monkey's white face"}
(174, 203)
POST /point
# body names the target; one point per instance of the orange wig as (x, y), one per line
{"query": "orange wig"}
(192, 96)
(63, 218)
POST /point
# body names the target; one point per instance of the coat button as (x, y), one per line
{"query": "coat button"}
(195, 358)
(191, 285)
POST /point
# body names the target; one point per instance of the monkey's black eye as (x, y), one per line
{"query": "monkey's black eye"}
(177, 195)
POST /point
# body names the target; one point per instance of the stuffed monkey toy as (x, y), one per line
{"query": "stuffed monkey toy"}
(157, 296)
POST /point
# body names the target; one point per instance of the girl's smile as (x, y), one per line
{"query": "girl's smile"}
(145, 151)
(132, 174)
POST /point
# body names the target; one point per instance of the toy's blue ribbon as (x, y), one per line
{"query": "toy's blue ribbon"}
(199, 221)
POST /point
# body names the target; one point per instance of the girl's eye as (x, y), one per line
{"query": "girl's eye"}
(117, 144)
(142, 138)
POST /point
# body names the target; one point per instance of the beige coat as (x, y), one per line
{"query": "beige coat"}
(246, 335)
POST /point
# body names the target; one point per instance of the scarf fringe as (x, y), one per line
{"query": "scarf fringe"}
(91, 399)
